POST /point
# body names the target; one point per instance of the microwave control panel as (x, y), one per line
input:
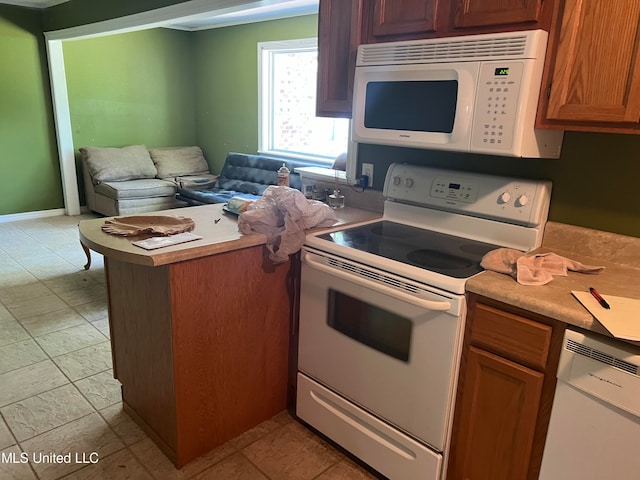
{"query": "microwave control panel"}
(497, 103)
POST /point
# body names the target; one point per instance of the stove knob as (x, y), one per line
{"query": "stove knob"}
(408, 182)
(505, 197)
(396, 180)
(522, 201)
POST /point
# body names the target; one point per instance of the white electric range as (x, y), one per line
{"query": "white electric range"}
(382, 311)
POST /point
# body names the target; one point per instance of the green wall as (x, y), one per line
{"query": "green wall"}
(29, 168)
(132, 88)
(595, 180)
(164, 87)
(227, 83)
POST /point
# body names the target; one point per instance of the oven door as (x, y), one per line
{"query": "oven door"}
(385, 343)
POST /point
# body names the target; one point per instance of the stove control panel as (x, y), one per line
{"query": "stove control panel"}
(453, 188)
(513, 200)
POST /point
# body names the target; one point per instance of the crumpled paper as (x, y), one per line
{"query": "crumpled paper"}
(283, 214)
(153, 224)
(535, 269)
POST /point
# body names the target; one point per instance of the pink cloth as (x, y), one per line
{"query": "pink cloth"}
(535, 269)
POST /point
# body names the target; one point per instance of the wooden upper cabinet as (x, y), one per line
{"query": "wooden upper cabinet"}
(481, 13)
(344, 24)
(596, 74)
(400, 17)
(338, 40)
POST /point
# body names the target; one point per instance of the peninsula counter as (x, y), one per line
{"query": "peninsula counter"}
(200, 331)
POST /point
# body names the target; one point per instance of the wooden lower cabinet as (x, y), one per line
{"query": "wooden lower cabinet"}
(505, 392)
(201, 347)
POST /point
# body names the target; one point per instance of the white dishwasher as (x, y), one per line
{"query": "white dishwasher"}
(594, 431)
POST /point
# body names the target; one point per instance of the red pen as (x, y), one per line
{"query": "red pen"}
(597, 296)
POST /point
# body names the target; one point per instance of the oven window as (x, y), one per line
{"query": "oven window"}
(416, 106)
(380, 329)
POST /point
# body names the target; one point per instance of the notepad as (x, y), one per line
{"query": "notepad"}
(622, 320)
(159, 242)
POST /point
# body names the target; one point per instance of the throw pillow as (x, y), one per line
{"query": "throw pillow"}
(118, 164)
(179, 161)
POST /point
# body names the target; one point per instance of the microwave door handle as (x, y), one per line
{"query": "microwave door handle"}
(363, 282)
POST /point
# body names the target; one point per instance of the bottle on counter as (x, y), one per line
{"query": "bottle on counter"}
(283, 176)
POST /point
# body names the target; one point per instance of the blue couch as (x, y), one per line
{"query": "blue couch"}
(243, 175)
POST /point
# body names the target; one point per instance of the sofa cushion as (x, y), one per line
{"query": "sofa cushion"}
(195, 196)
(142, 188)
(179, 161)
(118, 164)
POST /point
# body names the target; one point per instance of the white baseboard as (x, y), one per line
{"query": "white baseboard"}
(16, 217)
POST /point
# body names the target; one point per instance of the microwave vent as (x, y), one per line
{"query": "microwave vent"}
(457, 49)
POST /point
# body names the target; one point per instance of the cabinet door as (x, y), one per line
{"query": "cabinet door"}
(499, 410)
(338, 40)
(479, 13)
(596, 77)
(399, 17)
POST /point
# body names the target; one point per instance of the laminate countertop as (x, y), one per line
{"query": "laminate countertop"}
(219, 232)
(619, 254)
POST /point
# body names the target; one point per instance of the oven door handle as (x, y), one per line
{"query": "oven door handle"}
(363, 282)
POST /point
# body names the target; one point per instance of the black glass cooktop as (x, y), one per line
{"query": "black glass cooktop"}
(438, 252)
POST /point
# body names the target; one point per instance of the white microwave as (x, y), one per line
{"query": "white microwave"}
(476, 93)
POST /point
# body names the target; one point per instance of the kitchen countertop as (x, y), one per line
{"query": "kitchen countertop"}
(619, 254)
(217, 237)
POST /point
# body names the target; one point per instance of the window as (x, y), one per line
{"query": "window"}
(288, 125)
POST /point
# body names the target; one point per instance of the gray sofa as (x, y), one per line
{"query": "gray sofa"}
(135, 179)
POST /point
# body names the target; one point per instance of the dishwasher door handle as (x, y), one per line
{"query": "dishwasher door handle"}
(437, 305)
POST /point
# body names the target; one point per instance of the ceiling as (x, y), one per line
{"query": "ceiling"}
(273, 10)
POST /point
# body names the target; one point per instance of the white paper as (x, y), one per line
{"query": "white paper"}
(622, 320)
(159, 242)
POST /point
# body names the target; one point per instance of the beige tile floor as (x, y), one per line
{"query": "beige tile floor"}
(58, 394)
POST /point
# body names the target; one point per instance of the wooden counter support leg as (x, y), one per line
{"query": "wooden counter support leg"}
(87, 252)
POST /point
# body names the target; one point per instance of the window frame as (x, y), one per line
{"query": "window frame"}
(266, 50)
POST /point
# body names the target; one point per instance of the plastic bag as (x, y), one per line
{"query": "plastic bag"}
(283, 214)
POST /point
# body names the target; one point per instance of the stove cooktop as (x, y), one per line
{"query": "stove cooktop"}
(448, 255)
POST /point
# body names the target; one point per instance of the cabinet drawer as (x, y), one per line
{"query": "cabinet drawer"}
(512, 336)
